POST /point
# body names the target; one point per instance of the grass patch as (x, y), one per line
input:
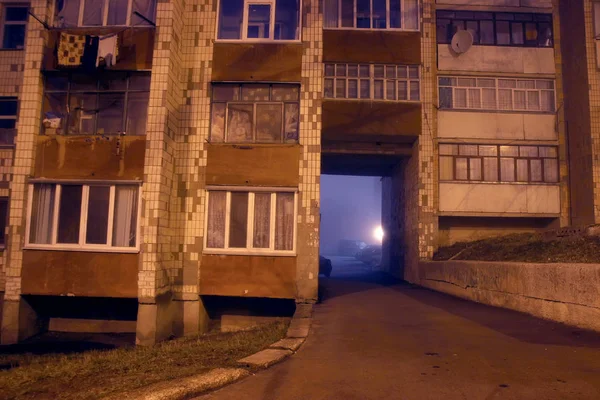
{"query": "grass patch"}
(526, 247)
(95, 374)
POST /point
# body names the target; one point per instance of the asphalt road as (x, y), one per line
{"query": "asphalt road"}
(373, 340)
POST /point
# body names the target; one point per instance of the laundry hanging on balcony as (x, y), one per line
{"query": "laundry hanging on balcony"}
(108, 50)
(77, 51)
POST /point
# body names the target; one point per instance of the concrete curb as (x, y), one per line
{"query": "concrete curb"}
(185, 388)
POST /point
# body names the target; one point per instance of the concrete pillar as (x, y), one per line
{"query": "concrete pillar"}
(20, 321)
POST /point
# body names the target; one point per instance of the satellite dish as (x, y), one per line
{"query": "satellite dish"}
(461, 41)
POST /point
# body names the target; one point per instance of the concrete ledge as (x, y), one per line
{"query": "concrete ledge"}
(265, 358)
(565, 293)
(187, 387)
(291, 344)
(299, 328)
(303, 310)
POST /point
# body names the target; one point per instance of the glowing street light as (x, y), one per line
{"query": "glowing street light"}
(378, 234)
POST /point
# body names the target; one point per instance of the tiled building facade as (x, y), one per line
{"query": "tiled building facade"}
(193, 163)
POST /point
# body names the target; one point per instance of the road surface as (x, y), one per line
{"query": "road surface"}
(372, 340)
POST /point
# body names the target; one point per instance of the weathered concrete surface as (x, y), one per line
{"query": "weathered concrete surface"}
(299, 328)
(303, 310)
(370, 341)
(265, 358)
(292, 344)
(186, 387)
(566, 293)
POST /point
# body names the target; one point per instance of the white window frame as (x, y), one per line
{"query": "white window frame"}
(244, 26)
(497, 98)
(371, 78)
(82, 245)
(105, 13)
(249, 250)
(387, 18)
(5, 23)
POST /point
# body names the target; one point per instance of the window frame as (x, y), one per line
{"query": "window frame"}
(249, 250)
(498, 158)
(495, 21)
(497, 89)
(4, 143)
(372, 79)
(98, 93)
(104, 14)
(244, 26)
(5, 23)
(6, 200)
(82, 246)
(387, 18)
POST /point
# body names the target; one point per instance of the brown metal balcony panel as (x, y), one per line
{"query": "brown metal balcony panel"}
(266, 62)
(136, 47)
(357, 120)
(356, 46)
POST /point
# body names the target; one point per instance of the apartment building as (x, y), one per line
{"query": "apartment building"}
(168, 154)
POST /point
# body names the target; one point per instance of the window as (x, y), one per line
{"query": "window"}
(8, 119)
(87, 105)
(372, 81)
(506, 94)
(79, 217)
(86, 13)
(259, 20)
(496, 29)
(14, 24)
(498, 163)
(596, 5)
(371, 14)
(251, 222)
(255, 113)
(3, 220)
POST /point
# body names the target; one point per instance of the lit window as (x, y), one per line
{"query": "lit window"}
(74, 13)
(371, 14)
(535, 95)
(257, 20)
(117, 103)
(496, 29)
(251, 222)
(79, 217)
(372, 81)
(14, 26)
(498, 163)
(255, 113)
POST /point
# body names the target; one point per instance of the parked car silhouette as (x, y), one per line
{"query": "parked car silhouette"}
(370, 255)
(325, 266)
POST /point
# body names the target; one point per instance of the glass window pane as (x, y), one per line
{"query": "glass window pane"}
(216, 220)
(402, 71)
(403, 90)
(378, 89)
(390, 90)
(488, 150)
(502, 32)
(526, 84)
(448, 149)
(536, 170)
(97, 215)
(390, 72)
(446, 98)
(414, 90)
(545, 34)
(117, 12)
(486, 83)
(291, 122)
(363, 13)
(490, 169)
(378, 71)
(82, 119)
(110, 113)
(284, 221)
(473, 29)
(528, 151)
(262, 219)
(286, 20)
(507, 169)
(225, 92)
(126, 216)
(329, 70)
(230, 19)
(137, 113)
(519, 100)
(475, 169)
(353, 70)
(488, 100)
(365, 89)
(364, 71)
(238, 222)
(14, 37)
(217, 123)
(446, 164)
(8, 107)
(395, 14)
(522, 171)
(507, 83)
(548, 152)
(467, 82)
(411, 14)
(328, 88)
(3, 219)
(467, 149)
(93, 12)
(547, 100)
(239, 123)
(42, 214)
(330, 13)
(486, 32)
(460, 98)
(379, 14)
(14, 14)
(145, 7)
(55, 113)
(259, 21)
(550, 170)
(510, 151)
(340, 88)
(517, 33)
(352, 88)
(340, 70)
(474, 98)
(442, 30)
(269, 121)
(255, 92)
(413, 72)
(505, 99)
(461, 169)
(69, 214)
(531, 34)
(347, 13)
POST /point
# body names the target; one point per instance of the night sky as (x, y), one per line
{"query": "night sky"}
(350, 209)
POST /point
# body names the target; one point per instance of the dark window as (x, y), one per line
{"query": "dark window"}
(8, 120)
(496, 29)
(14, 24)
(3, 219)
(88, 105)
